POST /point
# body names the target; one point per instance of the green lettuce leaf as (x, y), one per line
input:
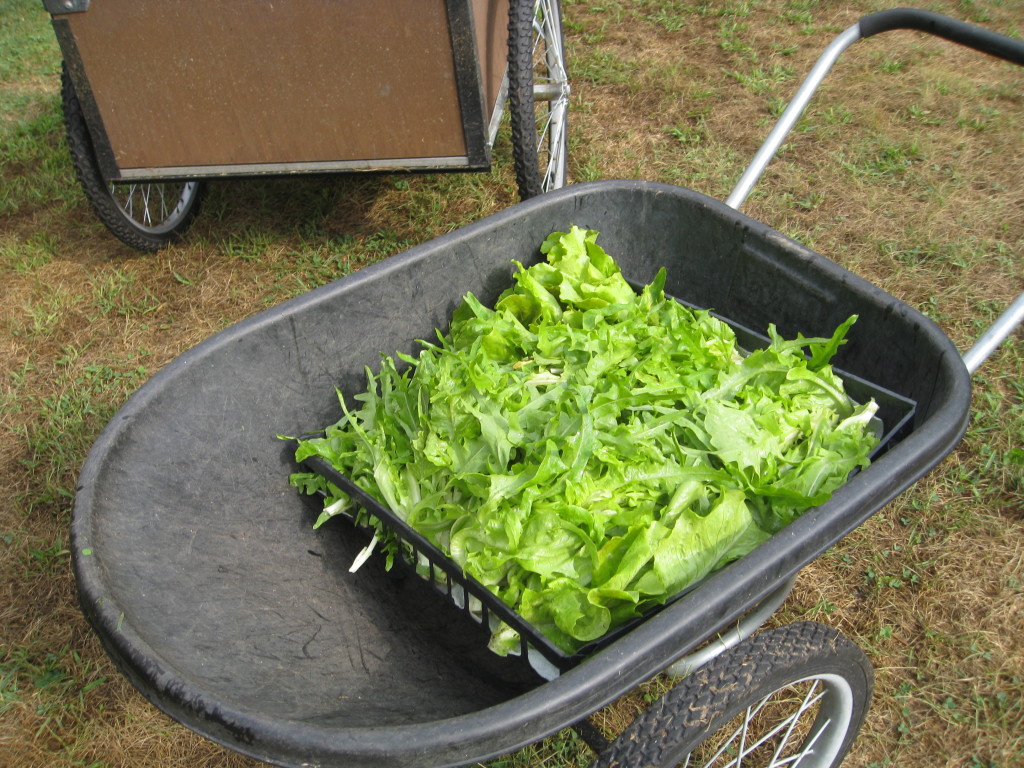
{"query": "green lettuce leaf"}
(586, 451)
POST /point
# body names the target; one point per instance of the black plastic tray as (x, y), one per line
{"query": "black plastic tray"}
(207, 585)
(462, 589)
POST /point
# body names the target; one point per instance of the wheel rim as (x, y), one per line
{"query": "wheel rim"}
(155, 208)
(802, 724)
(550, 93)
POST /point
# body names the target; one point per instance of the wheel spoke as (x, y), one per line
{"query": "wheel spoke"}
(162, 191)
(153, 206)
(543, 126)
(147, 214)
(739, 739)
(550, 86)
(810, 699)
(809, 746)
(788, 725)
(129, 204)
(740, 732)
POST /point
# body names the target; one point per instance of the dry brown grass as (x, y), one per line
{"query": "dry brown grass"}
(931, 587)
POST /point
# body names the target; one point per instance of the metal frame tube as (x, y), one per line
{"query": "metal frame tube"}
(791, 115)
(995, 335)
(744, 628)
(1014, 315)
(989, 341)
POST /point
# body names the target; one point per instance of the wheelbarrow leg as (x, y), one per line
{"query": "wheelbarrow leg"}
(591, 735)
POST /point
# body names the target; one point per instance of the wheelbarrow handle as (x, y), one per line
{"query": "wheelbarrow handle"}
(969, 35)
(936, 24)
(996, 334)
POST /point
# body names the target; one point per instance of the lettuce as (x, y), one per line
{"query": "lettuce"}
(586, 451)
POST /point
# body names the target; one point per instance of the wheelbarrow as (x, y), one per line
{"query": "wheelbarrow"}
(199, 569)
(254, 89)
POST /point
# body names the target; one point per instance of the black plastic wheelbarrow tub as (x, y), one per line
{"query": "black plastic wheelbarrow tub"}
(198, 567)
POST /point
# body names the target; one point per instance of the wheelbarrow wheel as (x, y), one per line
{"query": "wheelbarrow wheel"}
(796, 694)
(146, 216)
(538, 95)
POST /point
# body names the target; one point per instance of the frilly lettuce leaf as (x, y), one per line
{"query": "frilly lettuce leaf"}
(587, 451)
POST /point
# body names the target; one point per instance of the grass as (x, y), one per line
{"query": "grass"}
(907, 169)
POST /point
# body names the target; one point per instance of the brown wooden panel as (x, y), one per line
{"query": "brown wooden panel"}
(181, 83)
(491, 18)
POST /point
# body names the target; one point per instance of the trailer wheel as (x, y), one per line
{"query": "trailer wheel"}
(146, 216)
(538, 95)
(793, 695)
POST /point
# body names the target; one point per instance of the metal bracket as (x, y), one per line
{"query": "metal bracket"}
(66, 6)
(747, 626)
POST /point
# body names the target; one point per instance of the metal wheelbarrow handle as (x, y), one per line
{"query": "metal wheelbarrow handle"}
(969, 35)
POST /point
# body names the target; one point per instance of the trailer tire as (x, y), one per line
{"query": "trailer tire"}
(146, 216)
(783, 680)
(538, 95)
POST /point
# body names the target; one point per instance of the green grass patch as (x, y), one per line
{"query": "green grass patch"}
(907, 170)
